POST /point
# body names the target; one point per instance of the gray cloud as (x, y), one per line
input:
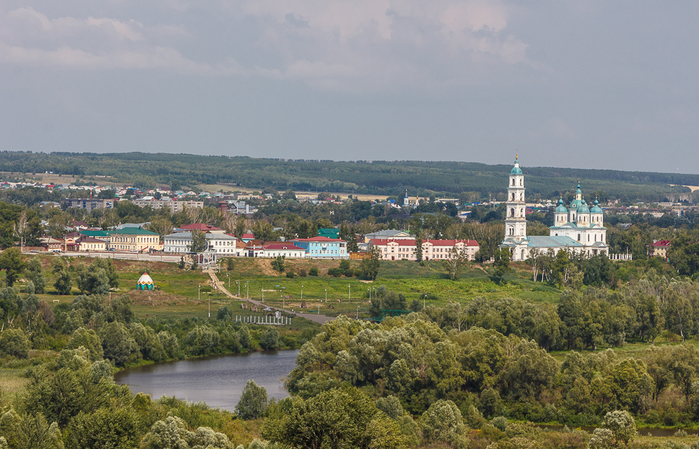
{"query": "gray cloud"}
(607, 84)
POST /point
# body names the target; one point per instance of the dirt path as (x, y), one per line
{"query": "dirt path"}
(222, 288)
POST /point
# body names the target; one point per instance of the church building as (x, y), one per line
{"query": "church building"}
(577, 229)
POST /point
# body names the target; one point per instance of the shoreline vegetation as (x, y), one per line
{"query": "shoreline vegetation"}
(471, 360)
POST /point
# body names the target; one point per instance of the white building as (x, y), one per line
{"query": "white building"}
(284, 249)
(578, 229)
(223, 245)
(404, 249)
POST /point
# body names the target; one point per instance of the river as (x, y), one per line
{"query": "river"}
(216, 380)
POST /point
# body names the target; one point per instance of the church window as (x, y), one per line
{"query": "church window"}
(513, 182)
(521, 181)
(588, 237)
(522, 254)
(513, 197)
(578, 235)
(512, 211)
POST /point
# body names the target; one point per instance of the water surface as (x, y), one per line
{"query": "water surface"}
(216, 380)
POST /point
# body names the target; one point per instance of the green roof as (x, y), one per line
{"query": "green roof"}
(133, 231)
(95, 233)
(331, 233)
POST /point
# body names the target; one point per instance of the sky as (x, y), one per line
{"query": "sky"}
(583, 84)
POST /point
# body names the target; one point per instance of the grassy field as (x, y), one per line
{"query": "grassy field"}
(185, 293)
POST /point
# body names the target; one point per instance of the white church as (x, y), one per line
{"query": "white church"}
(577, 229)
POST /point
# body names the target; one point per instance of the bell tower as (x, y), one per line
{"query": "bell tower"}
(516, 220)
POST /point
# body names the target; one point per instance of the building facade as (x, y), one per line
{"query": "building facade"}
(90, 204)
(134, 239)
(323, 247)
(223, 245)
(405, 249)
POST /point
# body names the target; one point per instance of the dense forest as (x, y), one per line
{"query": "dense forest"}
(448, 179)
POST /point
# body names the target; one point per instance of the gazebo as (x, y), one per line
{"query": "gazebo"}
(145, 283)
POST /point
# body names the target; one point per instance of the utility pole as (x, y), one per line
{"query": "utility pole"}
(199, 293)
(349, 292)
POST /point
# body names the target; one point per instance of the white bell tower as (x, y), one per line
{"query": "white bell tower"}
(516, 220)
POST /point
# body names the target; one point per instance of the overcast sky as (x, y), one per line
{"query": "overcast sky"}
(589, 84)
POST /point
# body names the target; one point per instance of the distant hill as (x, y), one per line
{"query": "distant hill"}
(377, 177)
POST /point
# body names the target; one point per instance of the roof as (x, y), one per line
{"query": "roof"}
(332, 233)
(282, 246)
(145, 279)
(91, 240)
(662, 243)
(133, 231)
(516, 170)
(318, 239)
(248, 236)
(596, 209)
(389, 233)
(199, 227)
(411, 242)
(95, 233)
(543, 241)
(561, 209)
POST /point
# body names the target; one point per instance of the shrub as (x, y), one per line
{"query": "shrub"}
(13, 342)
(290, 274)
(313, 271)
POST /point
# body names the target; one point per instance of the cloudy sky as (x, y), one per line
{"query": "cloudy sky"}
(602, 84)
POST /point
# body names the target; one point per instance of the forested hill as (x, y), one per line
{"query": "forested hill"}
(378, 177)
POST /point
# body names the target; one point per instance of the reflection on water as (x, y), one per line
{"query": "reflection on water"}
(216, 380)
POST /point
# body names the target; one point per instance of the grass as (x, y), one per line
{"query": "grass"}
(11, 383)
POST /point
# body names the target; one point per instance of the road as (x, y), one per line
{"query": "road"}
(320, 319)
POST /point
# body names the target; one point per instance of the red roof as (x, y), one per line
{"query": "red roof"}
(248, 236)
(282, 246)
(199, 227)
(318, 239)
(664, 243)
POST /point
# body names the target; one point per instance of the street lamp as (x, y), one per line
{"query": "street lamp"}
(357, 312)
(228, 275)
(349, 292)
(247, 289)
(423, 300)
(326, 295)
(238, 284)
(302, 291)
(199, 293)
(263, 294)
(209, 305)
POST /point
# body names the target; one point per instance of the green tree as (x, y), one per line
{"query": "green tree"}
(172, 433)
(202, 340)
(198, 242)
(117, 344)
(369, 267)
(337, 418)
(442, 422)
(35, 274)
(455, 262)
(104, 428)
(253, 401)
(502, 262)
(15, 343)
(88, 339)
(11, 261)
(278, 263)
(29, 432)
(64, 281)
(270, 339)
(621, 424)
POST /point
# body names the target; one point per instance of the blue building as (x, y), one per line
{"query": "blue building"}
(323, 247)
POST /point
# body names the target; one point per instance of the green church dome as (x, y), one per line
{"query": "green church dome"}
(516, 170)
(596, 209)
(561, 209)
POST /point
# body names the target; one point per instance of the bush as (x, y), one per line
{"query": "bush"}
(13, 342)
(270, 339)
(290, 274)
(302, 273)
(313, 271)
(335, 272)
